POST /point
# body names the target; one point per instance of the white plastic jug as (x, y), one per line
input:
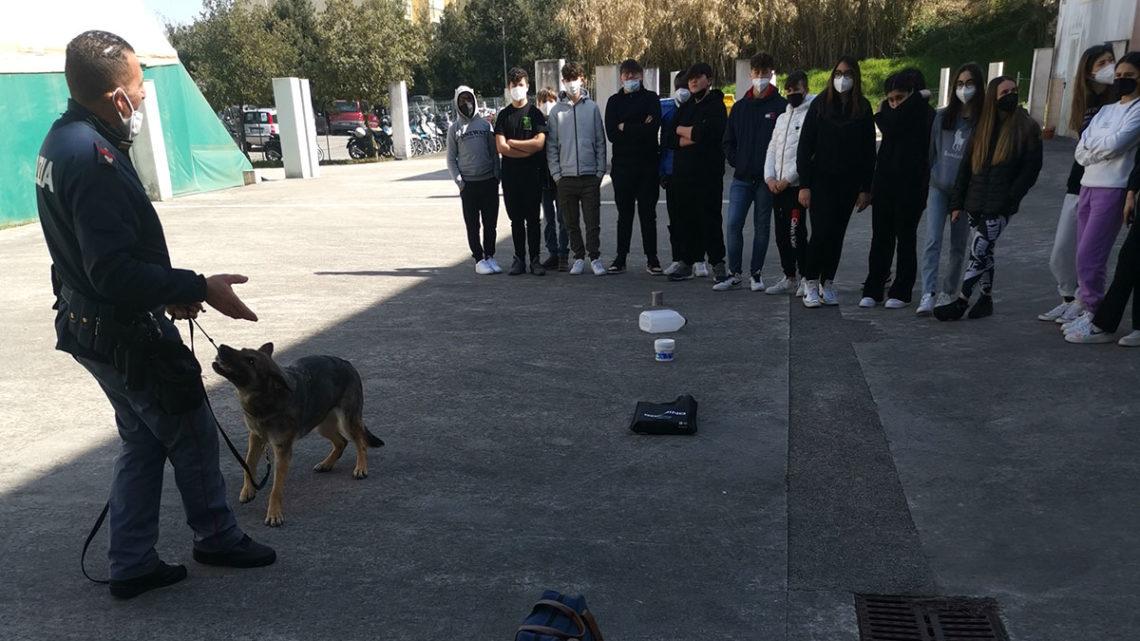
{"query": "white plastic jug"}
(660, 321)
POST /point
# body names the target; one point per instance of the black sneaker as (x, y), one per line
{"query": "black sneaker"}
(161, 577)
(517, 267)
(684, 272)
(653, 266)
(246, 554)
(984, 307)
(537, 268)
(563, 263)
(551, 262)
(618, 266)
(952, 310)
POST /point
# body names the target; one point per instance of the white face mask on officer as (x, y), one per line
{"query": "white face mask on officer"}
(132, 124)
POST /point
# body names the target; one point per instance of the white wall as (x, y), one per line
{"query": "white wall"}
(1081, 24)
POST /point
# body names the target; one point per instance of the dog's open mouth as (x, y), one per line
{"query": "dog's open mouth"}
(223, 370)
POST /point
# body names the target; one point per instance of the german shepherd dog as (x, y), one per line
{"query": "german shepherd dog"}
(282, 405)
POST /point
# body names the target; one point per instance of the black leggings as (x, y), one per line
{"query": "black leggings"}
(1125, 285)
(832, 200)
(481, 202)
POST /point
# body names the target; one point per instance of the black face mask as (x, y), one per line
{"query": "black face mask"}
(1008, 103)
(466, 108)
(795, 99)
(1125, 86)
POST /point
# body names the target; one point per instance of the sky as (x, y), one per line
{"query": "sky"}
(180, 11)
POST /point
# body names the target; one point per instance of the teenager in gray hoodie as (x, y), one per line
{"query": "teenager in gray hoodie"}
(474, 166)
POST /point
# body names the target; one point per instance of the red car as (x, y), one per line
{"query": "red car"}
(347, 115)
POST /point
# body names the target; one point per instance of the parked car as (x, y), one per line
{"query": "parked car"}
(346, 115)
(258, 125)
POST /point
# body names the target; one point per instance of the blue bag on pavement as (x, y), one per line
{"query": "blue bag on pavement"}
(557, 617)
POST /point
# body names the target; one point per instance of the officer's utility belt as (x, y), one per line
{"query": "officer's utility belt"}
(136, 346)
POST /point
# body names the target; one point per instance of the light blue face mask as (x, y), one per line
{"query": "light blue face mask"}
(631, 85)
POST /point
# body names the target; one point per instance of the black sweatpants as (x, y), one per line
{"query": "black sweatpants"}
(673, 207)
(832, 201)
(894, 229)
(791, 230)
(480, 202)
(1125, 285)
(522, 196)
(636, 185)
(700, 218)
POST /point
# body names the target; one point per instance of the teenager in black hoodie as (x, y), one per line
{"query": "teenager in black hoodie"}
(698, 172)
(633, 120)
(902, 178)
(836, 161)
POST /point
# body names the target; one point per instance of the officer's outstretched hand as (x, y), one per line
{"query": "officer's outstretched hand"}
(221, 296)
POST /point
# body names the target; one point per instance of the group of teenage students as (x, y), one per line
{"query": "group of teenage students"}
(812, 161)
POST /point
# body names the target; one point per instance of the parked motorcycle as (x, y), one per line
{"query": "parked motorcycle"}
(370, 143)
(272, 149)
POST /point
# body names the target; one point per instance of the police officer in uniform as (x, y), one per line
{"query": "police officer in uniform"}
(111, 270)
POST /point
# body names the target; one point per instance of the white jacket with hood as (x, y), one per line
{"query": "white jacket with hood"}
(471, 153)
(781, 161)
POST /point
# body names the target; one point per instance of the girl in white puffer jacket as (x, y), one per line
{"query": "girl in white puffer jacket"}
(783, 181)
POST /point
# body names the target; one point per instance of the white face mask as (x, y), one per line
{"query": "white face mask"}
(1106, 75)
(546, 107)
(132, 125)
(843, 84)
(518, 93)
(682, 96)
(760, 84)
(966, 93)
(574, 87)
(631, 85)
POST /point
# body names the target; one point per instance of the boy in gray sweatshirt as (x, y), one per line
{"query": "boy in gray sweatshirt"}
(474, 166)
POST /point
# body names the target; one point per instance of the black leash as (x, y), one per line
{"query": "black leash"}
(226, 437)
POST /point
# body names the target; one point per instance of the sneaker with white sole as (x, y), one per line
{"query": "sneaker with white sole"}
(701, 269)
(829, 295)
(482, 268)
(1131, 340)
(894, 303)
(756, 283)
(599, 267)
(578, 267)
(732, 281)
(1056, 312)
(1082, 322)
(494, 265)
(801, 288)
(672, 268)
(811, 294)
(1088, 334)
(867, 302)
(925, 306)
(944, 299)
(1072, 313)
(784, 286)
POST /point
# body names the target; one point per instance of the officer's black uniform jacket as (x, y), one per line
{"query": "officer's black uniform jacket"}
(104, 237)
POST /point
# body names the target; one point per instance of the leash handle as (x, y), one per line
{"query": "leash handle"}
(87, 544)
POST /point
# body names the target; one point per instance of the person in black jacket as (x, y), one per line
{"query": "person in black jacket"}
(111, 273)
(698, 172)
(902, 178)
(633, 120)
(836, 162)
(1002, 161)
(746, 141)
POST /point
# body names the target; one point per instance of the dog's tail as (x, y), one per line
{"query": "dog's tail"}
(373, 440)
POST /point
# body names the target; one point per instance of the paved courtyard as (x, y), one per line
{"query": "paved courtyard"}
(841, 450)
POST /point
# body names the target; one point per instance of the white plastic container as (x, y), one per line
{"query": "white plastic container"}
(660, 321)
(663, 349)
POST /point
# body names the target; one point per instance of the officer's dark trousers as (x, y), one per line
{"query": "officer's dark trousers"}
(149, 438)
(636, 184)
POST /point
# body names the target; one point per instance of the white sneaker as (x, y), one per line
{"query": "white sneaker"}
(578, 267)
(801, 288)
(482, 268)
(944, 299)
(756, 283)
(1056, 312)
(701, 269)
(894, 303)
(732, 282)
(599, 267)
(1082, 322)
(1131, 340)
(672, 268)
(867, 302)
(829, 295)
(1088, 334)
(811, 294)
(785, 286)
(494, 265)
(1072, 313)
(926, 305)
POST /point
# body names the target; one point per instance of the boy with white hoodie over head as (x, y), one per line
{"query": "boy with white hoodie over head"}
(473, 163)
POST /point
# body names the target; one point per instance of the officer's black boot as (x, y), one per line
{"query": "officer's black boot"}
(161, 577)
(246, 554)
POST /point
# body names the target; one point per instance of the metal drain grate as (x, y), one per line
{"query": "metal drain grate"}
(915, 618)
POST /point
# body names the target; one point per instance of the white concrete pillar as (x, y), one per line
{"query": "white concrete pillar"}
(297, 128)
(672, 80)
(743, 78)
(148, 152)
(995, 69)
(651, 80)
(1039, 83)
(548, 74)
(944, 87)
(607, 82)
(401, 128)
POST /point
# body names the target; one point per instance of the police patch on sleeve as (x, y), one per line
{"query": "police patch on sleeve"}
(104, 156)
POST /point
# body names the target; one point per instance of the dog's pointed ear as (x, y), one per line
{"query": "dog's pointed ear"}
(266, 349)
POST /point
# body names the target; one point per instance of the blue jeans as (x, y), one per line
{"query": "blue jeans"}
(742, 195)
(937, 214)
(554, 230)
